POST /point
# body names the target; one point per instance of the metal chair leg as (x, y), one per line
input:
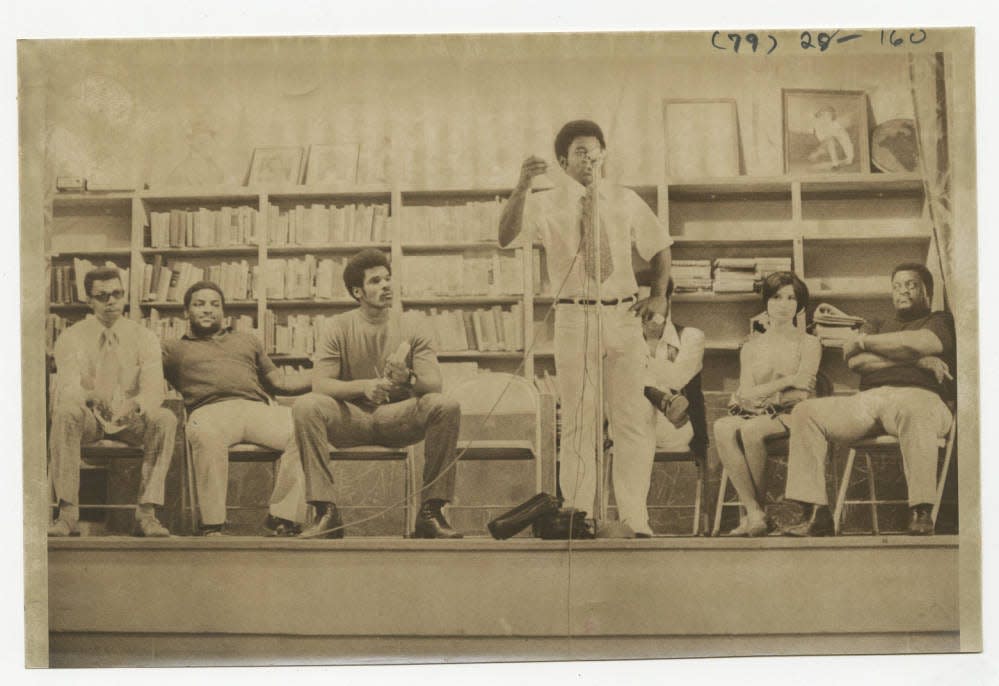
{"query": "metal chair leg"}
(722, 487)
(841, 497)
(699, 488)
(873, 494)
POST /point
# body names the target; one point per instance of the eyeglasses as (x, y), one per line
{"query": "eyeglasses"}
(910, 286)
(104, 297)
(592, 155)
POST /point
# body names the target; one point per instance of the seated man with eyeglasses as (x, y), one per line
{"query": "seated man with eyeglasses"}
(906, 368)
(109, 384)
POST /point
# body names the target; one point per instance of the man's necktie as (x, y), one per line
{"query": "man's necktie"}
(587, 230)
(108, 367)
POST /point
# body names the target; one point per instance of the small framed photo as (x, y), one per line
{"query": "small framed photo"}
(281, 166)
(825, 132)
(332, 164)
(702, 138)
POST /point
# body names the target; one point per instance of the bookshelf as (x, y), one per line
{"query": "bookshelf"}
(842, 233)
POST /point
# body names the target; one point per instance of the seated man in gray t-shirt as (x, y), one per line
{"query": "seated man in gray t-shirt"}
(376, 382)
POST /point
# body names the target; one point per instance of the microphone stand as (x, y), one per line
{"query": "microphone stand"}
(600, 511)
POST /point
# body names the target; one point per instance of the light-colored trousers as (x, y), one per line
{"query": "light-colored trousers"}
(73, 424)
(577, 345)
(917, 417)
(212, 429)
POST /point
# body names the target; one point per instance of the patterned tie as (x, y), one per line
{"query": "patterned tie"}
(589, 244)
(108, 369)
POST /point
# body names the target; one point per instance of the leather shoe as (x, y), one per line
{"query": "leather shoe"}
(211, 530)
(329, 525)
(60, 528)
(818, 522)
(921, 523)
(278, 526)
(430, 523)
(149, 527)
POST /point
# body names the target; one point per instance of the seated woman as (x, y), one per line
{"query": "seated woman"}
(777, 369)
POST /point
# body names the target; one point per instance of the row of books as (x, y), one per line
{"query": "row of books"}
(492, 329)
(744, 274)
(298, 336)
(67, 280)
(205, 228)
(328, 224)
(305, 277)
(499, 272)
(168, 282)
(473, 221)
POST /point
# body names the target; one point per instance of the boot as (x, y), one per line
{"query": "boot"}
(328, 525)
(817, 521)
(430, 522)
(519, 518)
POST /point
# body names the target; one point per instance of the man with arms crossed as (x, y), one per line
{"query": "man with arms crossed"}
(906, 372)
(377, 382)
(222, 375)
(563, 219)
(110, 384)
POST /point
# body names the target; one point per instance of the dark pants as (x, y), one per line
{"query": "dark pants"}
(320, 420)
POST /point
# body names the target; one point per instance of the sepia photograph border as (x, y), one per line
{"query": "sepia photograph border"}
(36, 505)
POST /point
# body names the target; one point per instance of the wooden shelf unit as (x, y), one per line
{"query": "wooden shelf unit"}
(837, 229)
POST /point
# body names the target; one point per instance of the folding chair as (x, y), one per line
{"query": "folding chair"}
(887, 443)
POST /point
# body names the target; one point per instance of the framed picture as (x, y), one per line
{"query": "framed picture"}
(332, 164)
(702, 138)
(275, 165)
(825, 132)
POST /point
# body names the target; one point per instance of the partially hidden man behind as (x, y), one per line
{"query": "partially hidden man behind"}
(906, 368)
(110, 384)
(588, 291)
(377, 382)
(224, 377)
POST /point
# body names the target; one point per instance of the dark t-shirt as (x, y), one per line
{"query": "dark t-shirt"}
(942, 325)
(353, 348)
(226, 366)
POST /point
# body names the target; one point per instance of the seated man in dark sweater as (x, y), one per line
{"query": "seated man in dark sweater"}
(223, 375)
(906, 368)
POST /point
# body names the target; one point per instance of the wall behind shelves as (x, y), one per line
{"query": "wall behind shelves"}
(460, 113)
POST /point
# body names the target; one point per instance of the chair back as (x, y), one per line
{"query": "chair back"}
(497, 405)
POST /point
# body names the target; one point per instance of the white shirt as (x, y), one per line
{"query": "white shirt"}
(666, 375)
(140, 361)
(554, 217)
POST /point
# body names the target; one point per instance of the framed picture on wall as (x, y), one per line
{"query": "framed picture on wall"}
(332, 164)
(825, 132)
(275, 165)
(702, 138)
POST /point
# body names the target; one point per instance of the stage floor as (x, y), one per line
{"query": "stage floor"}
(252, 600)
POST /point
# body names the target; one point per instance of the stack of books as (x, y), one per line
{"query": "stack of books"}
(691, 276)
(67, 285)
(299, 335)
(492, 329)
(167, 283)
(745, 274)
(306, 278)
(328, 225)
(833, 326)
(474, 221)
(54, 326)
(205, 228)
(472, 273)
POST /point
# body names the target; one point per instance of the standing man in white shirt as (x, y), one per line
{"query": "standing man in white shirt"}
(598, 313)
(109, 384)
